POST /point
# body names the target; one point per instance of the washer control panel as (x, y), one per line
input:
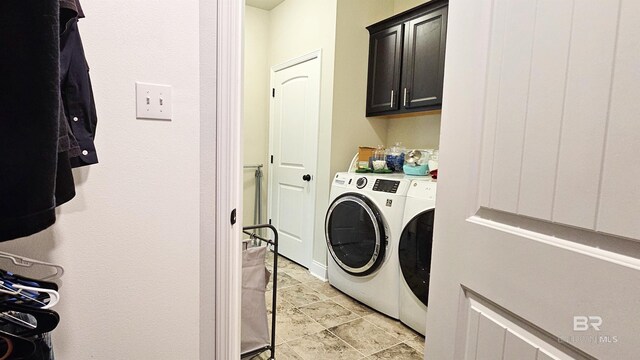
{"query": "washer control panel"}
(389, 186)
(362, 182)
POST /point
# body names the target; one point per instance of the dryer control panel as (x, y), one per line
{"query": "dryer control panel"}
(390, 186)
(423, 189)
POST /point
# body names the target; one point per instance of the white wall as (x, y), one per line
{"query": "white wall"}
(256, 107)
(403, 5)
(350, 127)
(298, 27)
(209, 166)
(129, 241)
(414, 131)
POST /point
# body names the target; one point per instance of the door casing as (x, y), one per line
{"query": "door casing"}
(221, 66)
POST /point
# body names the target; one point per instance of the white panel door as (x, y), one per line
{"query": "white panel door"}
(294, 146)
(536, 251)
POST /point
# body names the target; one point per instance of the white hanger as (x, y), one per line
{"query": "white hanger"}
(54, 296)
(7, 290)
(17, 321)
(27, 262)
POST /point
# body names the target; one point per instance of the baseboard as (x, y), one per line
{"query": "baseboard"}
(318, 270)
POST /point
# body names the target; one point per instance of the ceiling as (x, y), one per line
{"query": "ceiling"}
(264, 4)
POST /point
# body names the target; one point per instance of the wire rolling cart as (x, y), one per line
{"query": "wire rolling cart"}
(253, 236)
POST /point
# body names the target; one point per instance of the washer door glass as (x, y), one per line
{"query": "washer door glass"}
(355, 234)
(415, 254)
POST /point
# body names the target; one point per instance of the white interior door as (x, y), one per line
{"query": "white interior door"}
(294, 146)
(536, 251)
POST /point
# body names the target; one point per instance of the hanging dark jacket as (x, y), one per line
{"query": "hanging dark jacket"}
(67, 144)
(29, 112)
(77, 95)
(77, 113)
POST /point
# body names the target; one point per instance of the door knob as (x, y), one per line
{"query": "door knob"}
(306, 177)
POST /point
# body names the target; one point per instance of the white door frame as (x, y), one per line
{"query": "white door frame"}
(299, 60)
(221, 65)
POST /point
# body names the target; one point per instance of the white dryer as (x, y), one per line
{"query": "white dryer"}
(414, 254)
(362, 229)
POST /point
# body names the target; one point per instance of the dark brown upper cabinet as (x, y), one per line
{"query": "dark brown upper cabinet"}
(406, 61)
(385, 62)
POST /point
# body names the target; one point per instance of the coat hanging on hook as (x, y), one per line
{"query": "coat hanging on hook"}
(47, 112)
(29, 111)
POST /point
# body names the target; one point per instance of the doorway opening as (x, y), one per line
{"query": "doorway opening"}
(305, 89)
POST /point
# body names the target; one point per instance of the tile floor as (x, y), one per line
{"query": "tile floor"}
(317, 322)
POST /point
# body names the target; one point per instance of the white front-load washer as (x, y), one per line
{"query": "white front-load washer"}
(362, 228)
(414, 254)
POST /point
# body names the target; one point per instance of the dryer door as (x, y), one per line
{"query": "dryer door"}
(415, 254)
(355, 234)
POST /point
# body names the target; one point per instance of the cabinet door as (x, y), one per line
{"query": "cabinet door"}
(423, 68)
(385, 59)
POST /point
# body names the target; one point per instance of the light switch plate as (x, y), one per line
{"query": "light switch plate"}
(153, 101)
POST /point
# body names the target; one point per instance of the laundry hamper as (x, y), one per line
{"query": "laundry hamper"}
(256, 337)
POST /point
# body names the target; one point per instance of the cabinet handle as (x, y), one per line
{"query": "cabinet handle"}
(392, 99)
(405, 97)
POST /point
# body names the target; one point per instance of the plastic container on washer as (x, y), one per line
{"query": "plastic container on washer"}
(379, 163)
(395, 157)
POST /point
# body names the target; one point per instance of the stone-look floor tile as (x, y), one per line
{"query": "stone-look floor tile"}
(284, 263)
(279, 340)
(328, 314)
(398, 352)
(284, 281)
(364, 336)
(300, 295)
(324, 346)
(278, 337)
(315, 296)
(352, 305)
(417, 343)
(262, 356)
(324, 288)
(391, 326)
(301, 274)
(283, 352)
(281, 303)
(292, 324)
